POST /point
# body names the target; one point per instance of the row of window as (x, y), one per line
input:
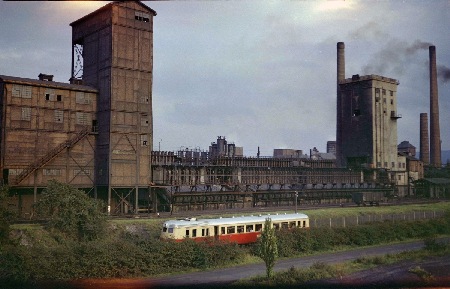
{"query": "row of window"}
(52, 172)
(226, 230)
(24, 91)
(400, 165)
(82, 118)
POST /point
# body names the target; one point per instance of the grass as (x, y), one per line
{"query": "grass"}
(320, 270)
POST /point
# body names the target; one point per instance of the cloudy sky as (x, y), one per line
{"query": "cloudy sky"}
(260, 73)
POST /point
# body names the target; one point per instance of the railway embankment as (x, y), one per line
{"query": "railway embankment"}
(131, 248)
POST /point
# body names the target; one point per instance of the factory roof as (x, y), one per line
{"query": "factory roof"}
(109, 5)
(45, 83)
(357, 78)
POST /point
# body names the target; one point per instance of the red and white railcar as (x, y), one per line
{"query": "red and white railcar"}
(242, 230)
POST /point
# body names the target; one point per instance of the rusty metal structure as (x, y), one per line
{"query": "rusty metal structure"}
(185, 182)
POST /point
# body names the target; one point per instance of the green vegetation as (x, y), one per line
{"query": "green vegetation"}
(266, 247)
(320, 270)
(71, 211)
(78, 243)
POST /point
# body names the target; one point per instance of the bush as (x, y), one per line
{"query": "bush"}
(71, 211)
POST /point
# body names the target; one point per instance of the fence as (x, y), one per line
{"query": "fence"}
(365, 219)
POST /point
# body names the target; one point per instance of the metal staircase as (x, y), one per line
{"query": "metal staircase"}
(49, 156)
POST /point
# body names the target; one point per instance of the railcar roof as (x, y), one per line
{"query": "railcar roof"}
(232, 220)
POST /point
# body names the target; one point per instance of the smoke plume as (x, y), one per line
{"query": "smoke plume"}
(395, 57)
(443, 73)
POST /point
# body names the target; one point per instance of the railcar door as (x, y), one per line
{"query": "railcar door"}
(216, 232)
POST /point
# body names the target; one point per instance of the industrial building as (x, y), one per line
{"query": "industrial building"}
(96, 133)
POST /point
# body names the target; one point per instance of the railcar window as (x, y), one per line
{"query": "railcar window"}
(276, 226)
(164, 229)
(222, 230)
(304, 223)
(187, 233)
(249, 228)
(240, 229)
(170, 230)
(231, 230)
(284, 225)
(292, 224)
(194, 232)
(258, 227)
(205, 232)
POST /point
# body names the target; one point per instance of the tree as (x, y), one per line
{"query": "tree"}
(6, 215)
(267, 247)
(72, 211)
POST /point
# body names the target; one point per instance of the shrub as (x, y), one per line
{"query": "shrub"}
(71, 211)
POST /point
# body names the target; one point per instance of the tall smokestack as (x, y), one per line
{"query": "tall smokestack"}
(340, 76)
(435, 135)
(424, 143)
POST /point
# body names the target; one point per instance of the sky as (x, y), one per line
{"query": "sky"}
(259, 73)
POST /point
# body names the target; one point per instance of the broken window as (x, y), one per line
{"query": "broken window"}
(26, 113)
(356, 112)
(59, 116)
(141, 16)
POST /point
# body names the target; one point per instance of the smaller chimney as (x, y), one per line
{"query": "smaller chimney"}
(46, 77)
(424, 141)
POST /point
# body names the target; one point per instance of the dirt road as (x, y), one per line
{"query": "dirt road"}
(393, 276)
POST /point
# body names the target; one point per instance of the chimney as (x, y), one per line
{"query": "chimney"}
(424, 143)
(46, 77)
(340, 76)
(435, 135)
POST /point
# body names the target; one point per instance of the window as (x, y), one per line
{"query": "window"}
(240, 229)
(26, 113)
(284, 225)
(276, 226)
(82, 98)
(50, 94)
(249, 228)
(187, 233)
(292, 224)
(85, 172)
(391, 93)
(258, 227)
(222, 230)
(59, 97)
(383, 91)
(140, 16)
(22, 91)
(144, 140)
(170, 230)
(399, 177)
(59, 116)
(392, 101)
(356, 112)
(304, 223)
(82, 118)
(194, 232)
(385, 164)
(393, 164)
(51, 172)
(205, 232)
(144, 121)
(231, 230)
